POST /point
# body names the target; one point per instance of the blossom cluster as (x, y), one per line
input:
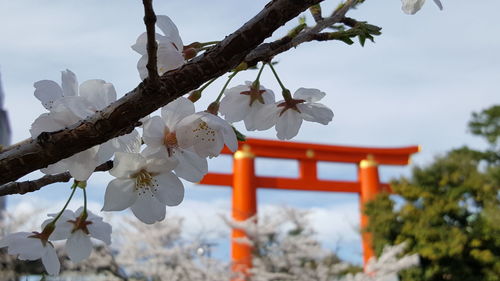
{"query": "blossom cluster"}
(77, 228)
(147, 168)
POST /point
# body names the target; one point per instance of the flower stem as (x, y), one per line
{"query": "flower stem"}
(225, 85)
(207, 84)
(277, 77)
(284, 91)
(73, 187)
(84, 213)
(260, 72)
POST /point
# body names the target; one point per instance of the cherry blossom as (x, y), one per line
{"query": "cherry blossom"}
(288, 115)
(170, 48)
(70, 103)
(145, 184)
(160, 136)
(32, 246)
(206, 133)
(243, 102)
(78, 228)
(412, 6)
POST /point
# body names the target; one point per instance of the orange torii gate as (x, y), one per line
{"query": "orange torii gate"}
(245, 182)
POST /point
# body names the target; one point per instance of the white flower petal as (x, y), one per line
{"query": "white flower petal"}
(154, 132)
(47, 91)
(63, 229)
(141, 67)
(147, 208)
(316, 112)
(21, 244)
(186, 129)
(250, 119)
(72, 109)
(170, 30)
(140, 44)
(309, 95)
(230, 138)
(127, 143)
(266, 117)
(83, 164)
(150, 151)
(160, 162)
(412, 6)
(44, 123)
(51, 261)
(176, 110)
(100, 230)
(169, 58)
(106, 151)
(126, 164)
(78, 246)
(288, 124)
(191, 166)
(120, 194)
(170, 190)
(56, 168)
(99, 93)
(234, 106)
(268, 96)
(69, 83)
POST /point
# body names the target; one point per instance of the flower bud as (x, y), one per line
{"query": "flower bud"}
(213, 108)
(189, 53)
(194, 96)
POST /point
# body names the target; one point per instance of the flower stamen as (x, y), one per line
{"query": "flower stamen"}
(144, 181)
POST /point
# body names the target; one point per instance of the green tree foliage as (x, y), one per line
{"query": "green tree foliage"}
(448, 211)
(487, 125)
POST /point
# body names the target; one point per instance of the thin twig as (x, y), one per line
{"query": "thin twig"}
(316, 12)
(266, 51)
(152, 46)
(34, 185)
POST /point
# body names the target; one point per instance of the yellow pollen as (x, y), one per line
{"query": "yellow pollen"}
(204, 132)
(144, 181)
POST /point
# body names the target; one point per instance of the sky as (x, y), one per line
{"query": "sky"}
(417, 85)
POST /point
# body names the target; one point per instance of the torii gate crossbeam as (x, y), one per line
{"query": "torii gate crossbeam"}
(245, 182)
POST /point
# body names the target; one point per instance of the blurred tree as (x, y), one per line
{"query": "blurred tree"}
(487, 125)
(450, 214)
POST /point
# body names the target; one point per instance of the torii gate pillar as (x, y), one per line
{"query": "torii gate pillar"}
(370, 187)
(244, 206)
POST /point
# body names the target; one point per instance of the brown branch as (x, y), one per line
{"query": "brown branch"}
(152, 46)
(34, 185)
(266, 51)
(122, 116)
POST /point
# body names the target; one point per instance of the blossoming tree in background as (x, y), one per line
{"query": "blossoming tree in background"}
(86, 126)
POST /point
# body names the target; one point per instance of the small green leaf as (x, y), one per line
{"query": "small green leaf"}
(239, 135)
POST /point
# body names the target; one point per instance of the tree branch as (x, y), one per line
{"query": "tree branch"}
(152, 46)
(122, 116)
(34, 185)
(266, 51)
